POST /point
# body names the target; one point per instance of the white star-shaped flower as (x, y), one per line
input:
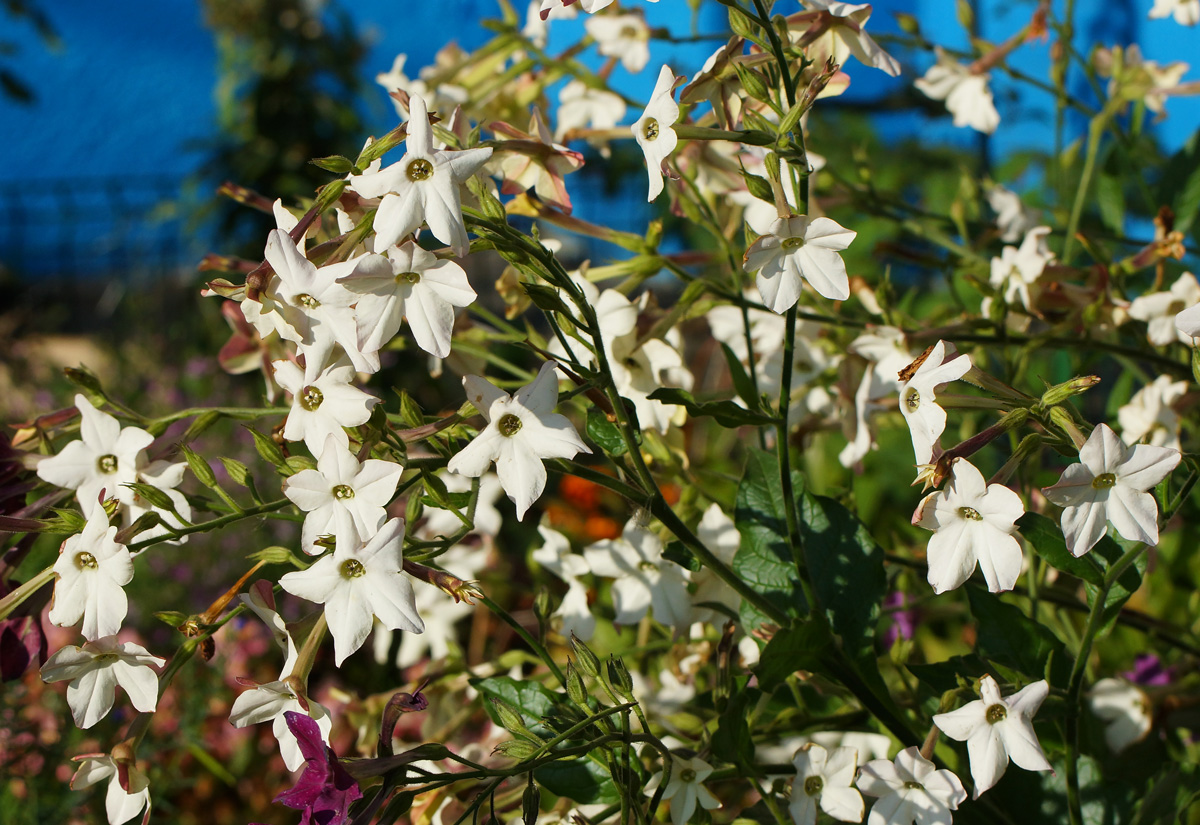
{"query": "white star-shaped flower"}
(826, 779)
(580, 106)
(522, 430)
(1163, 311)
(92, 571)
(653, 131)
(269, 702)
(106, 457)
(1150, 415)
(409, 283)
(795, 250)
(324, 402)
(1017, 268)
(623, 36)
(837, 29)
(643, 578)
(1013, 218)
(973, 521)
(342, 497)
(121, 802)
(1185, 12)
(996, 729)
(422, 187)
(918, 400)
(356, 583)
(909, 790)
(966, 93)
(1109, 484)
(555, 555)
(96, 669)
(684, 789)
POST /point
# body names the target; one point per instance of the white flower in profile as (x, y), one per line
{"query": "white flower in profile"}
(439, 522)
(1162, 311)
(164, 476)
(356, 583)
(719, 534)
(1149, 415)
(342, 497)
(96, 669)
(623, 36)
(1187, 323)
(966, 93)
(324, 402)
(997, 729)
(581, 106)
(1013, 218)
(643, 579)
(551, 7)
(1185, 12)
(1126, 710)
(555, 555)
(1109, 484)
(795, 250)
(837, 29)
(826, 779)
(1017, 268)
(422, 187)
(522, 430)
(653, 131)
(973, 522)
(684, 788)
(128, 791)
(92, 571)
(918, 400)
(537, 28)
(106, 457)
(259, 598)
(268, 703)
(910, 789)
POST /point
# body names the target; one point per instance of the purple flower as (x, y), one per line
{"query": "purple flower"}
(1148, 669)
(325, 790)
(904, 619)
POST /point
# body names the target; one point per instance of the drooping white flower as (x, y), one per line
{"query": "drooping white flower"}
(639, 367)
(886, 352)
(342, 497)
(268, 702)
(1013, 218)
(1109, 484)
(1162, 311)
(121, 804)
(966, 93)
(653, 131)
(1132, 77)
(555, 555)
(623, 36)
(537, 28)
(826, 779)
(164, 476)
(106, 457)
(910, 789)
(436, 95)
(96, 669)
(719, 534)
(997, 729)
(438, 522)
(260, 599)
(549, 7)
(356, 583)
(973, 522)
(92, 570)
(1017, 268)
(684, 788)
(1149, 414)
(918, 400)
(1187, 323)
(643, 578)
(324, 402)
(581, 106)
(1126, 710)
(422, 187)
(835, 29)
(522, 430)
(1185, 12)
(798, 249)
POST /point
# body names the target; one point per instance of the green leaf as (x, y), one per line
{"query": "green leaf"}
(846, 567)
(793, 648)
(741, 379)
(1008, 636)
(604, 433)
(581, 780)
(764, 558)
(677, 552)
(334, 163)
(1106, 553)
(1046, 539)
(1170, 793)
(943, 676)
(530, 698)
(732, 739)
(726, 413)
(1180, 184)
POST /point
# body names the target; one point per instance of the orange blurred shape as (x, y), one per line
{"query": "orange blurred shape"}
(670, 493)
(601, 527)
(582, 493)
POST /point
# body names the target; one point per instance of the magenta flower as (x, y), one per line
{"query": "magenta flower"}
(325, 790)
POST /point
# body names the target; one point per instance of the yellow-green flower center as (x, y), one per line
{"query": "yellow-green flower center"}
(311, 398)
(813, 785)
(647, 565)
(650, 129)
(419, 169)
(86, 559)
(342, 492)
(914, 786)
(912, 399)
(107, 464)
(792, 243)
(509, 425)
(1104, 481)
(352, 569)
(970, 513)
(687, 775)
(996, 713)
(107, 658)
(307, 301)
(409, 278)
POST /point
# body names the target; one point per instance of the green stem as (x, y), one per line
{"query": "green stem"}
(525, 635)
(14, 599)
(1095, 132)
(205, 526)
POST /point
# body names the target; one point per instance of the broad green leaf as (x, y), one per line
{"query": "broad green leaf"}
(604, 433)
(1180, 184)
(582, 780)
(943, 676)
(677, 552)
(846, 567)
(1171, 793)
(793, 648)
(741, 380)
(1046, 539)
(726, 413)
(530, 698)
(1009, 637)
(764, 558)
(732, 739)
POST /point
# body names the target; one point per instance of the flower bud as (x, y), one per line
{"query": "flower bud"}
(585, 659)
(199, 467)
(531, 800)
(619, 678)
(516, 749)
(576, 689)
(1061, 392)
